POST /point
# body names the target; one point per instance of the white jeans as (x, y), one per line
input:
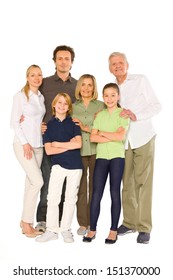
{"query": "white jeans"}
(57, 177)
(33, 181)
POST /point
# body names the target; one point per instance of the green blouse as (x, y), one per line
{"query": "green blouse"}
(86, 116)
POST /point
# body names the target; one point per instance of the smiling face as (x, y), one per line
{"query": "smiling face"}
(87, 88)
(63, 62)
(34, 77)
(111, 98)
(61, 106)
(118, 67)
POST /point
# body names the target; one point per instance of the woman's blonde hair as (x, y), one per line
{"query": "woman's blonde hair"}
(26, 88)
(67, 99)
(79, 84)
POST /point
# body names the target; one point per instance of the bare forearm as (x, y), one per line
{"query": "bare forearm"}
(113, 136)
(96, 138)
(70, 145)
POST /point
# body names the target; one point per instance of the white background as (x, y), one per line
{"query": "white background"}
(30, 31)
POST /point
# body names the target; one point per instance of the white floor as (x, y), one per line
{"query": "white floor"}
(18, 250)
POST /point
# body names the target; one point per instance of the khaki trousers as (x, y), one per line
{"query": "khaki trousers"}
(33, 180)
(85, 191)
(137, 187)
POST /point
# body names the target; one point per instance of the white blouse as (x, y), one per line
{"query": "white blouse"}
(29, 130)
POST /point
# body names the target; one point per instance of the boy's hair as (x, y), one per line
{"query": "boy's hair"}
(67, 99)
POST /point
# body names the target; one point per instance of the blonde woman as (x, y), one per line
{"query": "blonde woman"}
(28, 146)
(84, 111)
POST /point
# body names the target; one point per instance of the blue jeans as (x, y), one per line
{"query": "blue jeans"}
(42, 206)
(114, 168)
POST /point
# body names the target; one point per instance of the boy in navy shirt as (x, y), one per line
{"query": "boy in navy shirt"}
(62, 141)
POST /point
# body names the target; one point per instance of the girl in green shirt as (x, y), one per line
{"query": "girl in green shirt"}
(109, 131)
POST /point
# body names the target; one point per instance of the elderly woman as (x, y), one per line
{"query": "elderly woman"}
(84, 111)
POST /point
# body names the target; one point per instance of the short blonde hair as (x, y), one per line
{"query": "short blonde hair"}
(79, 84)
(67, 99)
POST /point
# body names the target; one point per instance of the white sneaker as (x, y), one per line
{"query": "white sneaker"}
(67, 236)
(41, 226)
(47, 236)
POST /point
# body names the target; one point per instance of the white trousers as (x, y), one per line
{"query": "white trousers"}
(57, 177)
(33, 181)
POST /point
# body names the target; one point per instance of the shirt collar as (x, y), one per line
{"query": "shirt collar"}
(80, 101)
(67, 117)
(128, 78)
(31, 93)
(58, 78)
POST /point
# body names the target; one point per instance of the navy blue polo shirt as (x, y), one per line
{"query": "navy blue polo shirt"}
(63, 131)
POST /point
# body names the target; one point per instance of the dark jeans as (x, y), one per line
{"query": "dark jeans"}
(114, 168)
(42, 206)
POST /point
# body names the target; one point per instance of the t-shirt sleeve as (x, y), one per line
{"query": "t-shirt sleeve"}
(46, 136)
(124, 122)
(96, 123)
(77, 131)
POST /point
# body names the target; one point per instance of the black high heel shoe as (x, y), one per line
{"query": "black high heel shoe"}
(89, 239)
(110, 241)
